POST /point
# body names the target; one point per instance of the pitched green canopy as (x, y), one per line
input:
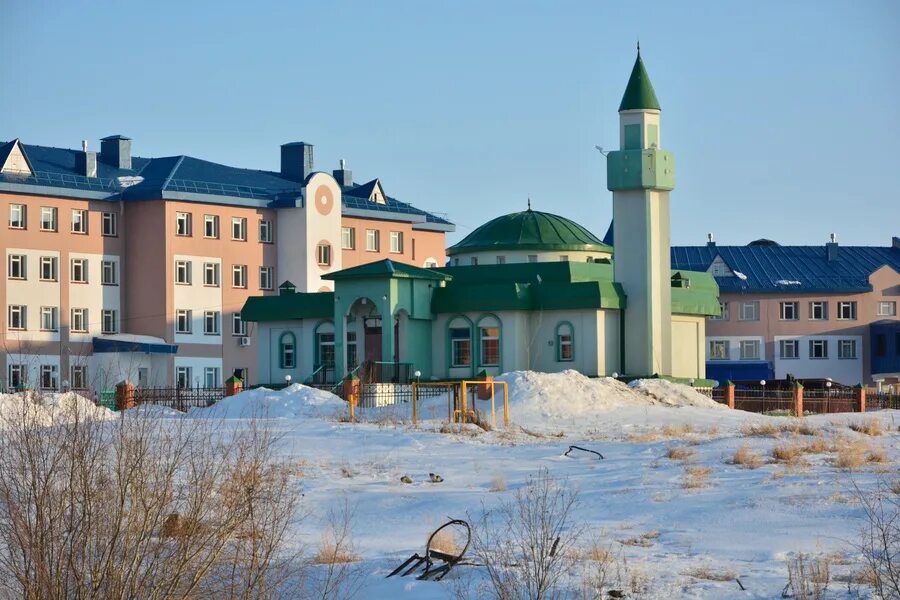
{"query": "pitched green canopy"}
(639, 94)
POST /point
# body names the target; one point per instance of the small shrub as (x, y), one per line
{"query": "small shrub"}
(877, 455)
(747, 458)
(498, 483)
(851, 455)
(695, 477)
(760, 429)
(808, 577)
(787, 453)
(445, 541)
(645, 540)
(677, 430)
(709, 574)
(870, 427)
(819, 445)
(680, 453)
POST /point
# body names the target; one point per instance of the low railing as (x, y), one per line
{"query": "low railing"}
(880, 401)
(179, 398)
(825, 401)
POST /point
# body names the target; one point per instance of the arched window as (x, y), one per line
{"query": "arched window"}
(324, 336)
(459, 332)
(489, 334)
(287, 350)
(565, 342)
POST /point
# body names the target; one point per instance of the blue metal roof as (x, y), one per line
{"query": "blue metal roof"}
(181, 175)
(116, 345)
(794, 269)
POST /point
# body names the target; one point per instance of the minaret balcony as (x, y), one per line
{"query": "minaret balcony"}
(648, 169)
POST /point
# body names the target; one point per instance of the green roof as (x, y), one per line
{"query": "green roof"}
(639, 92)
(530, 230)
(289, 306)
(698, 294)
(385, 268)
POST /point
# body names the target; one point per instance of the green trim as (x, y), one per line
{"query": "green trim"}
(288, 307)
(282, 342)
(317, 356)
(386, 268)
(571, 327)
(499, 364)
(449, 344)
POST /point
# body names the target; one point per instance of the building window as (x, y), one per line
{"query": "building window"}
(109, 272)
(211, 322)
(348, 238)
(49, 318)
(565, 342)
(182, 377)
(818, 348)
(490, 346)
(182, 223)
(79, 270)
(501, 260)
(183, 272)
(79, 221)
(352, 353)
(847, 349)
(265, 232)
(48, 268)
(723, 313)
(372, 240)
(846, 311)
(749, 311)
(78, 323)
(211, 274)
(211, 226)
(239, 229)
(287, 348)
(109, 322)
(211, 377)
(718, 350)
(266, 278)
(887, 309)
(239, 276)
(818, 311)
(325, 343)
(110, 224)
(78, 377)
(16, 266)
(532, 258)
(749, 349)
(789, 311)
(397, 242)
(323, 255)
(474, 261)
(460, 347)
(564, 258)
(48, 218)
(238, 327)
(182, 321)
(17, 216)
(49, 377)
(789, 349)
(18, 376)
(17, 317)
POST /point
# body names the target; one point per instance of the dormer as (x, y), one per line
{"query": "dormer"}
(719, 268)
(14, 161)
(371, 191)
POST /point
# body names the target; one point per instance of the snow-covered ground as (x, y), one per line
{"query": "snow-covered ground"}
(747, 521)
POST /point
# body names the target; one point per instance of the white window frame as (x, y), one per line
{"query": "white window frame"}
(49, 214)
(49, 318)
(109, 272)
(183, 224)
(348, 238)
(460, 340)
(78, 264)
(183, 377)
(18, 216)
(485, 335)
(323, 254)
(789, 310)
(784, 344)
(723, 313)
(17, 371)
(49, 377)
(239, 276)
(78, 377)
(744, 347)
(238, 325)
(818, 343)
(211, 377)
(265, 231)
(21, 266)
(850, 305)
(211, 227)
(211, 322)
(372, 240)
(183, 272)
(713, 348)
(745, 306)
(17, 317)
(239, 229)
(211, 274)
(397, 242)
(886, 308)
(51, 263)
(818, 304)
(184, 323)
(110, 224)
(78, 320)
(79, 221)
(844, 346)
(109, 322)
(266, 278)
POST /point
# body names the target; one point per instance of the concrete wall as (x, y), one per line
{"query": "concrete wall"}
(688, 346)
(491, 258)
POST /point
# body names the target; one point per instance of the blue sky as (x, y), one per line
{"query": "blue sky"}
(783, 116)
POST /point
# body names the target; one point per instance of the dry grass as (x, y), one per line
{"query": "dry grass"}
(877, 456)
(789, 453)
(707, 573)
(747, 458)
(895, 487)
(862, 576)
(808, 577)
(331, 553)
(645, 540)
(498, 483)
(645, 437)
(695, 477)
(871, 427)
(760, 429)
(673, 431)
(851, 455)
(680, 453)
(819, 445)
(445, 541)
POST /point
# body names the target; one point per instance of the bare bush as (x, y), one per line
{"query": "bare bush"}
(680, 453)
(709, 573)
(338, 577)
(141, 508)
(851, 455)
(879, 540)
(760, 429)
(645, 540)
(525, 543)
(695, 477)
(747, 458)
(871, 427)
(498, 483)
(808, 577)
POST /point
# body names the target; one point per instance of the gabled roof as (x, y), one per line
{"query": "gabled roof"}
(286, 307)
(386, 269)
(795, 269)
(639, 94)
(9, 148)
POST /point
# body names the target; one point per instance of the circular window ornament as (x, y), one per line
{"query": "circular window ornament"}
(324, 200)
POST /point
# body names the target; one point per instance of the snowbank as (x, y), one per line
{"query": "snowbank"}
(673, 394)
(292, 402)
(49, 408)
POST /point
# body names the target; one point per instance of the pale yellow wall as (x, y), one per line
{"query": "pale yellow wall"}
(688, 353)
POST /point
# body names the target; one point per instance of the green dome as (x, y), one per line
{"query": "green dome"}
(530, 230)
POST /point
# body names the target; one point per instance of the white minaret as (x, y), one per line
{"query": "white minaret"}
(640, 176)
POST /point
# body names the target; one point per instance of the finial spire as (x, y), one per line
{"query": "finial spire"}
(529, 202)
(639, 45)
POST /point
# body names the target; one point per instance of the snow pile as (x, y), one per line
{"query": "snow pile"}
(49, 408)
(673, 394)
(292, 402)
(152, 411)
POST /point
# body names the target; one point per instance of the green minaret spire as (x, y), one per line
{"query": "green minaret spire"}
(639, 93)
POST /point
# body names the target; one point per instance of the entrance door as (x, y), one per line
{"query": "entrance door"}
(373, 339)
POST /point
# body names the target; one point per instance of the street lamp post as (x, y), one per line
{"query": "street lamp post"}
(762, 382)
(287, 380)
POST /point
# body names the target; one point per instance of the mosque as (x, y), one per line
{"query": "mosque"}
(528, 290)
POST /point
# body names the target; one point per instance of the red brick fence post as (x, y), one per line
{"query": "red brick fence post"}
(124, 395)
(798, 399)
(729, 394)
(861, 398)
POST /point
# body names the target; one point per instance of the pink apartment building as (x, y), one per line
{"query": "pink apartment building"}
(121, 267)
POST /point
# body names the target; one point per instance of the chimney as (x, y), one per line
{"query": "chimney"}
(895, 242)
(710, 242)
(115, 151)
(831, 249)
(296, 161)
(86, 161)
(343, 175)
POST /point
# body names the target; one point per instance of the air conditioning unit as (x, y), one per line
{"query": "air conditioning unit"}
(243, 341)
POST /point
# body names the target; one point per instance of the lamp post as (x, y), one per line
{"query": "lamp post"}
(287, 380)
(762, 383)
(691, 381)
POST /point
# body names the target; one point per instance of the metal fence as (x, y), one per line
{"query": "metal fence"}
(879, 401)
(179, 398)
